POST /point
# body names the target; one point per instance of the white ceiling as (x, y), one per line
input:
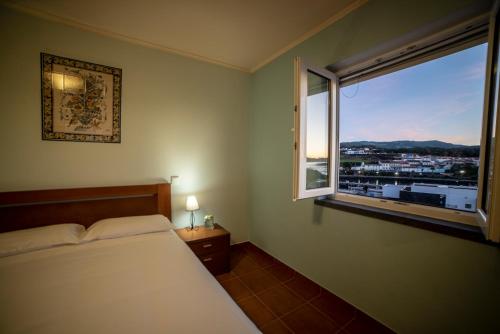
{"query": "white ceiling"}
(243, 34)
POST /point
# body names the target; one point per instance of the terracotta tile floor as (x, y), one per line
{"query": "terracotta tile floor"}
(279, 300)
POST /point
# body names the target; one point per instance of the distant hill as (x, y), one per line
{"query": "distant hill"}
(427, 147)
(403, 144)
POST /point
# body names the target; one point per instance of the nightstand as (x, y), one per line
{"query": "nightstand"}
(210, 246)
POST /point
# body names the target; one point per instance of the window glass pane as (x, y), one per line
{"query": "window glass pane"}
(413, 135)
(317, 138)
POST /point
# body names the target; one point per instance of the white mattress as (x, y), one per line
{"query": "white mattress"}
(150, 283)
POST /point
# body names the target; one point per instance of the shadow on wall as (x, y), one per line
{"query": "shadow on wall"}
(317, 214)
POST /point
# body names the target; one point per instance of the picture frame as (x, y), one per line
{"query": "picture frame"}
(81, 101)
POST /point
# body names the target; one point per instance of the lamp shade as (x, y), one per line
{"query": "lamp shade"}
(191, 203)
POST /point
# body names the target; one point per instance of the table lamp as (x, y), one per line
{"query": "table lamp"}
(192, 205)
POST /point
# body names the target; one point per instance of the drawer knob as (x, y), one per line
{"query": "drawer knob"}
(207, 245)
(207, 259)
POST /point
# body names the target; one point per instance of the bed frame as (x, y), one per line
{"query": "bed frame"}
(27, 209)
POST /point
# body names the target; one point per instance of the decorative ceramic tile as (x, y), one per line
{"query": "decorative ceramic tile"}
(81, 101)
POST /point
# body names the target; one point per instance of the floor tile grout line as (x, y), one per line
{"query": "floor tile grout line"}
(285, 325)
(277, 262)
(308, 302)
(243, 298)
(249, 270)
(327, 316)
(304, 302)
(280, 318)
(284, 284)
(347, 324)
(264, 268)
(267, 307)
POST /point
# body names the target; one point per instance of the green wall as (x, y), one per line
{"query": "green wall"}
(412, 280)
(179, 117)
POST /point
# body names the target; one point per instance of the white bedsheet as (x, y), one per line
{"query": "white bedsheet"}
(150, 283)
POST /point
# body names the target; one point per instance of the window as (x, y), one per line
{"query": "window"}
(409, 131)
(315, 121)
(428, 153)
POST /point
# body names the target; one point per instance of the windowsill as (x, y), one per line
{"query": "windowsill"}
(436, 225)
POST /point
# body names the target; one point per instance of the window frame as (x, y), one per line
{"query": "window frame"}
(459, 37)
(300, 130)
(489, 221)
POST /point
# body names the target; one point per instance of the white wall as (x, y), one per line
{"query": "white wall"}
(179, 117)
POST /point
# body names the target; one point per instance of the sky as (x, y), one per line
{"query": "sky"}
(441, 99)
(438, 100)
(317, 125)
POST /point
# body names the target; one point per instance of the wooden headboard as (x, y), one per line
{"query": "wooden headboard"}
(26, 209)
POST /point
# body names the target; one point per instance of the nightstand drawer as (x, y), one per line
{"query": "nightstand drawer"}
(216, 263)
(213, 245)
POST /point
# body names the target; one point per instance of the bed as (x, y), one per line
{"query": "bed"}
(144, 283)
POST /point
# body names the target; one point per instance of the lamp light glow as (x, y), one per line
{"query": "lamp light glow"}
(192, 205)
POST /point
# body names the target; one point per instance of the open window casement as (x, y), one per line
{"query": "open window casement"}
(315, 144)
(488, 201)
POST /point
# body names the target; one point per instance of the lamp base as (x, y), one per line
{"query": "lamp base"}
(192, 227)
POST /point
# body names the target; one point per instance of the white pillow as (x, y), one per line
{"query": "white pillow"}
(22, 241)
(125, 226)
